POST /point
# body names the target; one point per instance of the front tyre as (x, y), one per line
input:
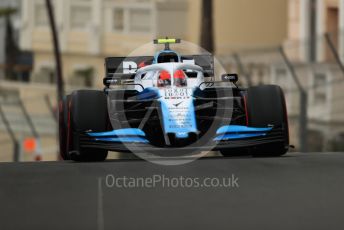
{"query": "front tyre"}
(88, 111)
(265, 106)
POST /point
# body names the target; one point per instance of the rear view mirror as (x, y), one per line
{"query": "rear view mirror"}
(230, 77)
(107, 81)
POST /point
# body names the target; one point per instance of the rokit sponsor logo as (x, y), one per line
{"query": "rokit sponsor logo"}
(177, 93)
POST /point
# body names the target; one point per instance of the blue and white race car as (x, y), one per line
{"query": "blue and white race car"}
(170, 104)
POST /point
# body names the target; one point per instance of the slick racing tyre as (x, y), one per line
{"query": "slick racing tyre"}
(88, 111)
(265, 106)
(234, 152)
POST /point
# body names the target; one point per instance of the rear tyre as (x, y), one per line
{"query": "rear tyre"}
(88, 111)
(266, 106)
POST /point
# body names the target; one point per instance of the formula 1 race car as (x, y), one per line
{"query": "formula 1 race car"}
(170, 104)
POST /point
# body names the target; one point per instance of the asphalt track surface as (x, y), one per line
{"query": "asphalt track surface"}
(298, 191)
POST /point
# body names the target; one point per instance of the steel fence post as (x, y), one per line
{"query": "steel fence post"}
(303, 119)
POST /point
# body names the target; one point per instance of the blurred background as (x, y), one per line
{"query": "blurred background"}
(297, 44)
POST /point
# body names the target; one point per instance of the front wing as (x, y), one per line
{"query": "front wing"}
(227, 137)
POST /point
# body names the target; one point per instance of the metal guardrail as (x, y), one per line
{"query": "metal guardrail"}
(16, 150)
(17, 121)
